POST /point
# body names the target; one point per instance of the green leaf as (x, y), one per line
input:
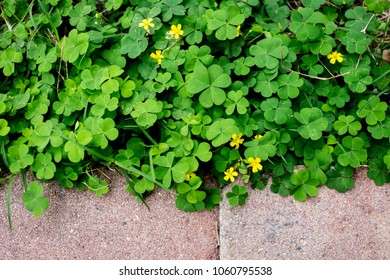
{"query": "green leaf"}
(225, 21)
(338, 97)
(288, 85)
(265, 84)
(378, 172)
(134, 43)
(352, 151)
(146, 112)
(209, 81)
(340, 178)
(19, 158)
(221, 131)
(4, 128)
(202, 152)
(33, 199)
(373, 110)
(356, 42)
(237, 196)
(348, 124)
(8, 58)
(43, 166)
(314, 4)
(74, 45)
(97, 186)
(380, 130)
(313, 123)
(305, 184)
(170, 8)
(276, 110)
(304, 23)
(268, 52)
(262, 148)
(377, 6)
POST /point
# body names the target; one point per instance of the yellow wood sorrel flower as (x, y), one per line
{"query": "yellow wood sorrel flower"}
(230, 174)
(146, 23)
(157, 56)
(238, 30)
(258, 136)
(189, 176)
(236, 140)
(335, 56)
(176, 31)
(255, 164)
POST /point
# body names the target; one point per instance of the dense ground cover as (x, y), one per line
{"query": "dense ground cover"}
(167, 91)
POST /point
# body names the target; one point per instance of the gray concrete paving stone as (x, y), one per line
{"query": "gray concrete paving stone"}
(354, 225)
(79, 225)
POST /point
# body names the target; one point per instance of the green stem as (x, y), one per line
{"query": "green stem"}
(148, 136)
(11, 182)
(50, 21)
(111, 160)
(3, 154)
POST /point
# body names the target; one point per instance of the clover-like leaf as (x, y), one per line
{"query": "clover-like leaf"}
(102, 103)
(79, 15)
(268, 52)
(304, 23)
(305, 185)
(314, 4)
(377, 6)
(348, 124)
(288, 85)
(356, 42)
(102, 130)
(262, 148)
(265, 84)
(221, 131)
(4, 128)
(210, 82)
(225, 158)
(146, 112)
(134, 43)
(352, 152)
(237, 196)
(373, 110)
(338, 96)
(195, 55)
(34, 200)
(236, 102)
(340, 178)
(74, 45)
(380, 130)
(358, 79)
(66, 176)
(19, 158)
(8, 58)
(43, 166)
(378, 172)
(312, 123)
(97, 186)
(170, 8)
(202, 152)
(225, 21)
(276, 110)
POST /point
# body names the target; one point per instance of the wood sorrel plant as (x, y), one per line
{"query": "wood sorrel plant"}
(166, 91)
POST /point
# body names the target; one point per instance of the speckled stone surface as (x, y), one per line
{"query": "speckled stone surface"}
(354, 225)
(79, 225)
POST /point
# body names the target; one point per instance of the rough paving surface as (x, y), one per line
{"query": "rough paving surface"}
(79, 225)
(354, 225)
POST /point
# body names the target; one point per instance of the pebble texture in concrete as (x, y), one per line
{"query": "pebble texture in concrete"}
(79, 225)
(354, 225)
